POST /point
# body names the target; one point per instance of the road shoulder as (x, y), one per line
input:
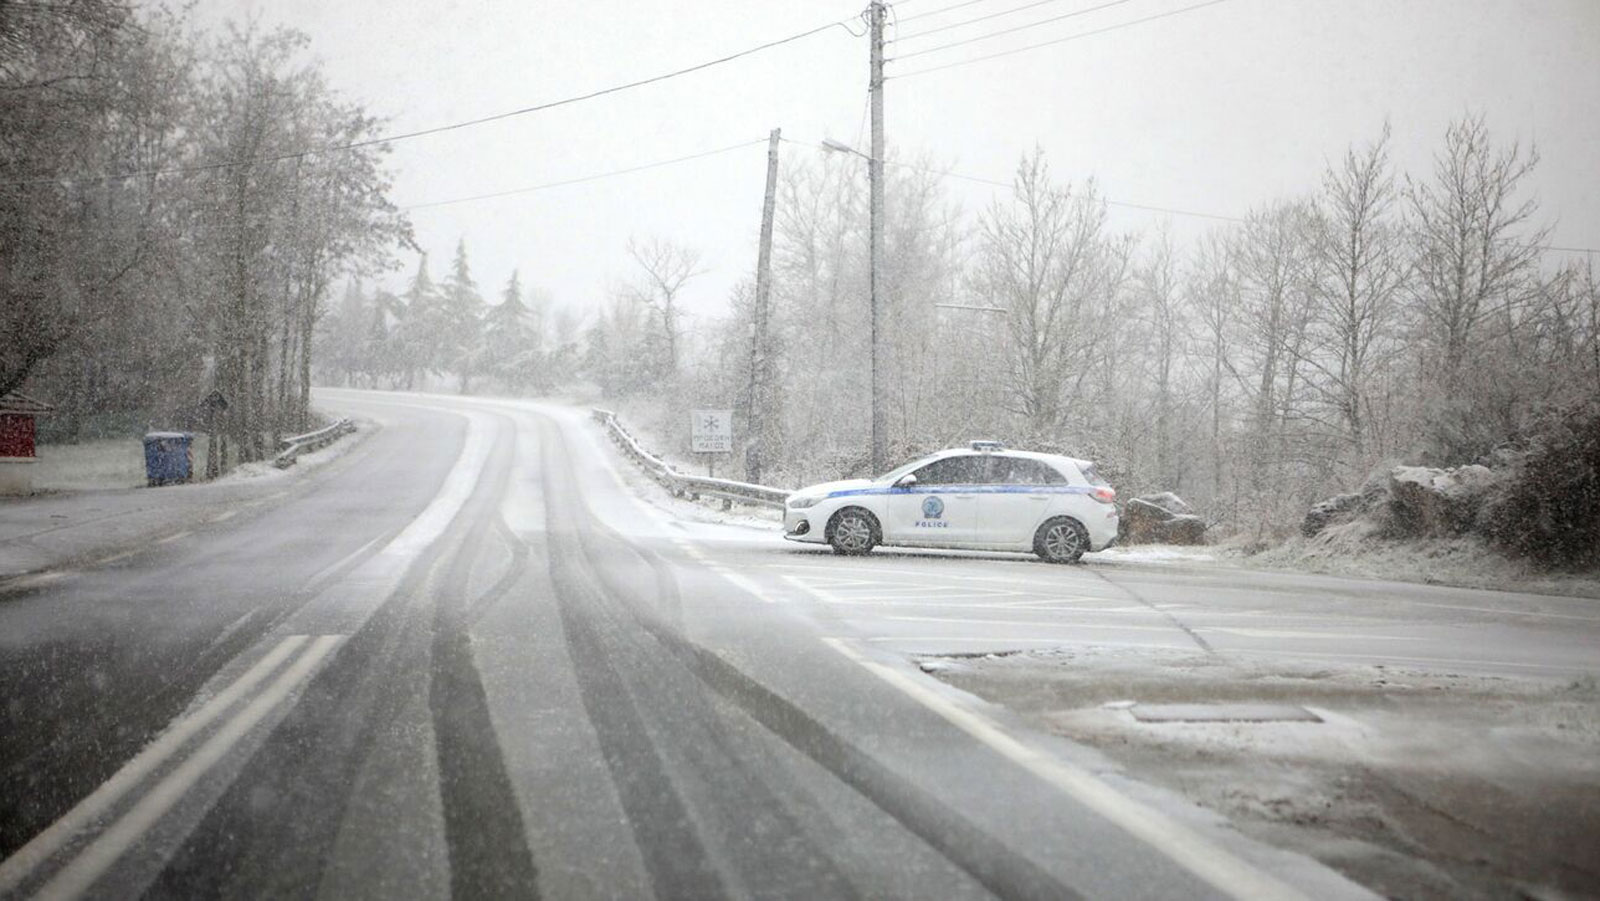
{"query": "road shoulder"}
(1414, 783)
(45, 534)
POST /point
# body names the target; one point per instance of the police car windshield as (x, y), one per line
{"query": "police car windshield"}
(904, 468)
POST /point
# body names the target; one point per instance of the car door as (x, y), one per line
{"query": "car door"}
(940, 507)
(1018, 500)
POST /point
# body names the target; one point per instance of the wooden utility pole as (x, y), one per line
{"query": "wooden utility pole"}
(880, 399)
(760, 360)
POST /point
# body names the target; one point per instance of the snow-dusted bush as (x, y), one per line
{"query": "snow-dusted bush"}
(1548, 509)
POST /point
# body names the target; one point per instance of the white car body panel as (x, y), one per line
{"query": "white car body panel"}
(981, 516)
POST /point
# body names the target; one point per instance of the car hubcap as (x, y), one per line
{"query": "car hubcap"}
(1061, 541)
(853, 533)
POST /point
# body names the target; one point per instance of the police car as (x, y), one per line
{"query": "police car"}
(982, 497)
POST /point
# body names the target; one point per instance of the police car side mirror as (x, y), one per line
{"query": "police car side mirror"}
(906, 481)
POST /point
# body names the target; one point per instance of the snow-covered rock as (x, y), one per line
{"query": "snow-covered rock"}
(1424, 501)
(1339, 508)
(1161, 518)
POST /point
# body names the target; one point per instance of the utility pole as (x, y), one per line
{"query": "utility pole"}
(875, 15)
(760, 377)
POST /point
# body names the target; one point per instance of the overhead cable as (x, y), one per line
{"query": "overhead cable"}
(1139, 206)
(586, 178)
(1074, 37)
(974, 21)
(387, 139)
(1005, 184)
(1012, 30)
(942, 9)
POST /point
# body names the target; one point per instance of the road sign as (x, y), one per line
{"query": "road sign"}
(711, 431)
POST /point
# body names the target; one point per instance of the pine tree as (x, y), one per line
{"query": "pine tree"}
(506, 336)
(419, 342)
(461, 320)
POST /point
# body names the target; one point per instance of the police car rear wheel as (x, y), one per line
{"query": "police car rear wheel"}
(1061, 540)
(853, 531)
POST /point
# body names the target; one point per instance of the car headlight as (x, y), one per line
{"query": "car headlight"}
(800, 503)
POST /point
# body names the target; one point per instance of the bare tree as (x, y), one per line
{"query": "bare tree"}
(1213, 295)
(1047, 257)
(1471, 260)
(1363, 270)
(665, 267)
(1162, 318)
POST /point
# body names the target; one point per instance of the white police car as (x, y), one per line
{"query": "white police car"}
(983, 497)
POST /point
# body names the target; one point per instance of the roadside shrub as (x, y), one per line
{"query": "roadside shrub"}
(1549, 508)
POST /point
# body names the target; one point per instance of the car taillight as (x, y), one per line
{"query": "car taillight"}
(1105, 495)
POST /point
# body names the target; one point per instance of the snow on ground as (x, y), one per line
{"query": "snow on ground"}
(101, 516)
(704, 510)
(1152, 553)
(307, 461)
(117, 463)
(1351, 549)
(96, 465)
(1416, 784)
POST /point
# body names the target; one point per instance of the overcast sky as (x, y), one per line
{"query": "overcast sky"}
(1214, 110)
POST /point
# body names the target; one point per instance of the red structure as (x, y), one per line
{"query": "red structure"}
(17, 431)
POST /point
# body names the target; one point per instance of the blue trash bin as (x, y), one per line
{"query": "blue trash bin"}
(168, 457)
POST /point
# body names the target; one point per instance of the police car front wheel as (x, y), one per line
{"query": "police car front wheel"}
(1061, 540)
(853, 531)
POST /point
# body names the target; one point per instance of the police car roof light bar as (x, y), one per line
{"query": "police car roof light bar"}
(986, 446)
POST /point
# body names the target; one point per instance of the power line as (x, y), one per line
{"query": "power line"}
(566, 101)
(585, 178)
(1138, 206)
(1085, 34)
(935, 12)
(1107, 201)
(966, 22)
(1013, 30)
(1005, 184)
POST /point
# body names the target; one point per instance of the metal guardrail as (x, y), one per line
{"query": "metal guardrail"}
(680, 484)
(299, 444)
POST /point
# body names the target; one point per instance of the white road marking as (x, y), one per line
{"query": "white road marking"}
(1393, 659)
(890, 592)
(1183, 846)
(175, 537)
(18, 866)
(821, 594)
(80, 875)
(34, 580)
(739, 580)
(937, 575)
(1277, 633)
(232, 627)
(224, 516)
(1502, 611)
(1032, 623)
(340, 563)
(981, 639)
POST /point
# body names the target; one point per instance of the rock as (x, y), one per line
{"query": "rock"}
(1324, 513)
(1169, 502)
(1424, 501)
(1160, 519)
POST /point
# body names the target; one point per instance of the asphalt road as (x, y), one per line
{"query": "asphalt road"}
(467, 659)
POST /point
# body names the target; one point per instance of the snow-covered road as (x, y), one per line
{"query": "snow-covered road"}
(476, 657)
